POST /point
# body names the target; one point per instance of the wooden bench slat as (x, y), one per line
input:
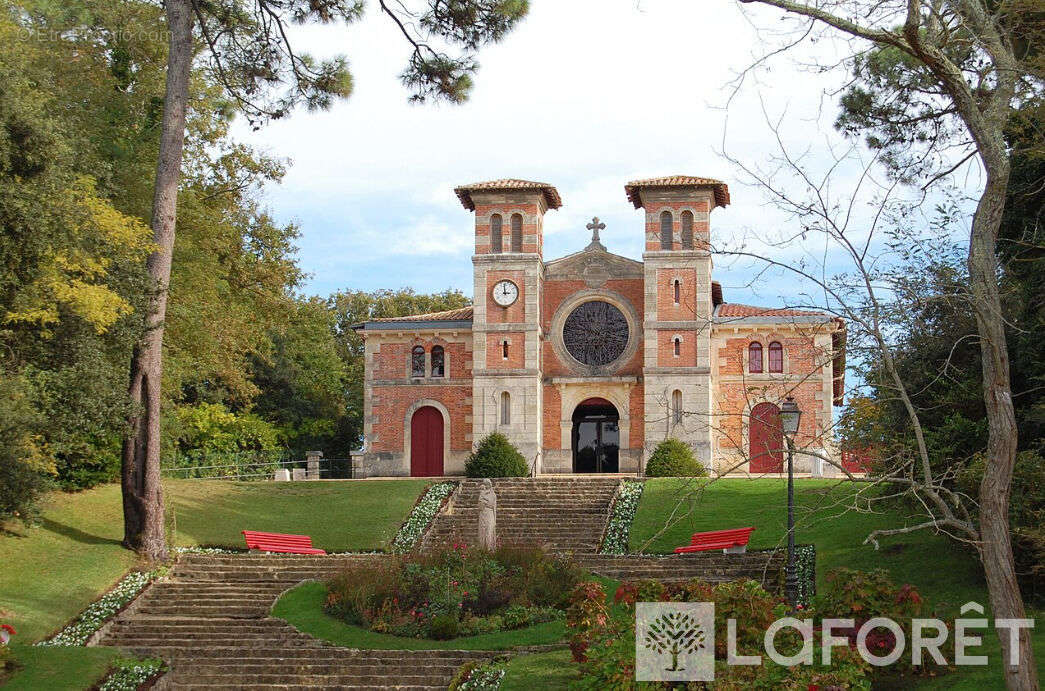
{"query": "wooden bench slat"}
(280, 542)
(717, 539)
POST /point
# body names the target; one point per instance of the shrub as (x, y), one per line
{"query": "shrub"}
(496, 457)
(1026, 515)
(602, 640)
(674, 458)
(418, 595)
(444, 627)
(24, 468)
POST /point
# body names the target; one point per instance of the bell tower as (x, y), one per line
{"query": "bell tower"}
(677, 307)
(507, 270)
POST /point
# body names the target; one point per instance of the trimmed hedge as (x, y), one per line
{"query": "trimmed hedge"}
(496, 457)
(674, 458)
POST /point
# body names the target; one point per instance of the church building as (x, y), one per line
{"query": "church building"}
(586, 362)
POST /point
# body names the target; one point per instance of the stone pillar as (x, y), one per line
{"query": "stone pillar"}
(359, 467)
(299, 474)
(312, 464)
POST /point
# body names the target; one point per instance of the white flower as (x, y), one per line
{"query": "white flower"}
(619, 527)
(100, 611)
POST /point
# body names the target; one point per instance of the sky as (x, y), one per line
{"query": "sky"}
(585, 95)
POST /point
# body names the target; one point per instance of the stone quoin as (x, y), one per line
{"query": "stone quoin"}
(586, 362)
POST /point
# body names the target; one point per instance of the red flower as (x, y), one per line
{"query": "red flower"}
(8, 628)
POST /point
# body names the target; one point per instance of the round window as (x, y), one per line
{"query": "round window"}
(596, 333)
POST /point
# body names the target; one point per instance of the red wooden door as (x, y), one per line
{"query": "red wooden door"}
(426, 442)
(766, 446)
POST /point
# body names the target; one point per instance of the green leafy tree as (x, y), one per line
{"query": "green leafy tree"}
(251, 56)
(302, 381)
(938, 83)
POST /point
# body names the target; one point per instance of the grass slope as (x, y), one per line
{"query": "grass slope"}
(51, 571)
(945, 573)
(340, 516)
(302, 608)
(554, 670)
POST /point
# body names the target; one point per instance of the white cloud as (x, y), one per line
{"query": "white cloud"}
(585, 95)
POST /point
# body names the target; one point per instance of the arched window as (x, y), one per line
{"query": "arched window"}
(495, 233)
(776, 357)
(687, 230)
(516, 232)
(677, 286)
(678, 346)
(504, 349)
(438, 362)
(506, 408)
(676, 407)
(754, 357)
(417, 362)
(665, 230)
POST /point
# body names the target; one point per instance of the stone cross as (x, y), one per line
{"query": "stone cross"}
(595, 226)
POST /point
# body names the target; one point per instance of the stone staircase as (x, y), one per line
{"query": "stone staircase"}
(210, 621)
(715, 567)
(561, 514)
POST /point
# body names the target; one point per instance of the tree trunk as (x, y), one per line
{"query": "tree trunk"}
(143, 515)
(996, 545)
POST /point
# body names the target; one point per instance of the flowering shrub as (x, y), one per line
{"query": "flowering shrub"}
(604, 644)
(862, 595)
(805, 563)
(456, 592)
(421, 516)
(479, 676)
(619, 528)
(206, 550)
(103, 609)
(128, 675)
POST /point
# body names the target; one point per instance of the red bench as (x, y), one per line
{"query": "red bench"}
(729, 541)
(278, 542)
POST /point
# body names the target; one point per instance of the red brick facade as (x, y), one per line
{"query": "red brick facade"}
(683, 371)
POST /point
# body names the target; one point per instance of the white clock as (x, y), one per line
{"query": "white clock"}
(505, 293)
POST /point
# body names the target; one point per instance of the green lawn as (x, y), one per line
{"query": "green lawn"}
(302, 608)
(340, 516)
(52, 570)
(554, 670)
(943, 572)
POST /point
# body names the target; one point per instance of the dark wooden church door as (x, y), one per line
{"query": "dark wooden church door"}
(426, 442)
(766, 440)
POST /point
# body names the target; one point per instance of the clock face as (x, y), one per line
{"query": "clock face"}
(505, 293)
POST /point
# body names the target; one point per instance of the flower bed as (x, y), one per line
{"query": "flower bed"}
(130, 675)
(619, 529)
(453, 593)
(479, 676)
(102, 609)
(421, 516)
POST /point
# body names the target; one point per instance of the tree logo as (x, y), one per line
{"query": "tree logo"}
(674, 641)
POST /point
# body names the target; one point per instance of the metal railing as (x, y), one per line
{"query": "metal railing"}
(248, 466)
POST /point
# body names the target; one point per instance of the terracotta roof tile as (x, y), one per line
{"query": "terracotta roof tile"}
(721, 188)
(735, 309)
(551, 195)
(460, 314)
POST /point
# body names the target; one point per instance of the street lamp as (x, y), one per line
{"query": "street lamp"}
(790, 414)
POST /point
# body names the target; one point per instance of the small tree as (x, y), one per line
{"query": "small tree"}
(495, 456)
(674, 458)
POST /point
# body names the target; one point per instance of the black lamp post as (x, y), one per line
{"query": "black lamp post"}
(790, 414)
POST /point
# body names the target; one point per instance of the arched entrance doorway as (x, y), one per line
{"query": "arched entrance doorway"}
(766, 440)
(596, 437)
(426, 442)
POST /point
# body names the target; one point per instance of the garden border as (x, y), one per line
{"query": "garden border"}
(417, 512)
